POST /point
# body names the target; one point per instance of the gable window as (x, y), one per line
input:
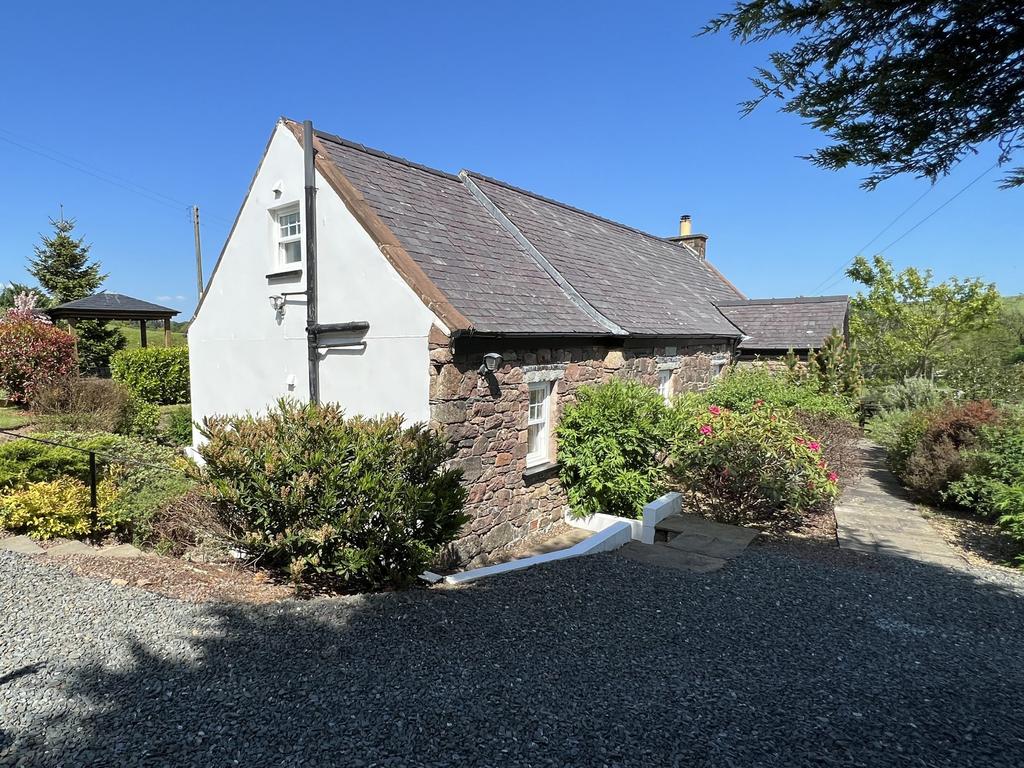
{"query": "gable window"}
(538, 448)
(288, 233)
(665, 385)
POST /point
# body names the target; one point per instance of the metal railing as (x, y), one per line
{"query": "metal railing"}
(110, 458)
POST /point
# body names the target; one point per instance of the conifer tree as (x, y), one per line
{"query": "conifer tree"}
(64, 271)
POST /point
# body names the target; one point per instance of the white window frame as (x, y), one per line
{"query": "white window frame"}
(718, 365)
(281, 240)
(665, 385)
(543, 420)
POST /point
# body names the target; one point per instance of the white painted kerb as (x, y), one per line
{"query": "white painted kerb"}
(611, 538)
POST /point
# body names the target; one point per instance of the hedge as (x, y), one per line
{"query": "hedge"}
(156, 374)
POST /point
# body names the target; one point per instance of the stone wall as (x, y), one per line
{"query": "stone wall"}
(486, 417)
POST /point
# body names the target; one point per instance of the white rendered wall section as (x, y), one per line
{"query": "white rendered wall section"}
(244, 355)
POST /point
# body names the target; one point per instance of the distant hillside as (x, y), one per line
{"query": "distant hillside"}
(154, 334)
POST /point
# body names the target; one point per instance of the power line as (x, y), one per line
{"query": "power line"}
(881, 232)
(117, 181)
(921, 221)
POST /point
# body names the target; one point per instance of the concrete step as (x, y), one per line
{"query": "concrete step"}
(20, 544)
(664, 556)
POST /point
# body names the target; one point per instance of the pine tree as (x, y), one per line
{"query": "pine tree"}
(64, 271)
(62, 264)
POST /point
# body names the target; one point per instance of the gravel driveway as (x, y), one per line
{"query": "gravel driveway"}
(775, 660)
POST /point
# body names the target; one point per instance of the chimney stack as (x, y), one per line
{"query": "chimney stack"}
(698, 242)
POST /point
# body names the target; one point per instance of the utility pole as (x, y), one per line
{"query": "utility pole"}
(199, 250)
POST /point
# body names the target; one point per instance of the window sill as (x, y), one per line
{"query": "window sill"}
(280, 273)
(541, 471)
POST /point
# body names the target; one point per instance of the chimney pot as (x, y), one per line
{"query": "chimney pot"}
(685, 226)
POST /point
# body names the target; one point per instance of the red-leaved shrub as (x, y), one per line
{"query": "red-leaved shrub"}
(32, 353)
(936, 461)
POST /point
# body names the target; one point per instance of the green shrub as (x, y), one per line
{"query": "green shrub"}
(740, 466)
(143, 418)
(924, 447)
(145, 476)
(990, 468)
(26, 461)
(742, 389)
(361, 502)
(912, 393)
(176, 428)
(156, 374)
(59, 508)
(610, 443)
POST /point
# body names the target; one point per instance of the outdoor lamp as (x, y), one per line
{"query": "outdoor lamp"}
(277, 302)
(491, 363)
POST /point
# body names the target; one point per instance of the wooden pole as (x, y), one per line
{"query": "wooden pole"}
(199, 249)
(167, 331)
(142, 333)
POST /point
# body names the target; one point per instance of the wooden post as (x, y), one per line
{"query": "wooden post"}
(167, 331)
(142, 333)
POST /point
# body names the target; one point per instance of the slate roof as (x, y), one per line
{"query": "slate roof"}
(783, 324)
(515, 263)
(111, 306)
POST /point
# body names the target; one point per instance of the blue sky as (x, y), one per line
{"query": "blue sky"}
(622, 113)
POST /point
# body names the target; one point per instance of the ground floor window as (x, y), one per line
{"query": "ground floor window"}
(665, 385)
(538, 449)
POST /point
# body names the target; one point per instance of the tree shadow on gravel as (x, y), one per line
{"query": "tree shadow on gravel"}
(598, 661)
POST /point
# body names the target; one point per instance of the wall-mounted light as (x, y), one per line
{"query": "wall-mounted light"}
(491, 363)
(277, 302)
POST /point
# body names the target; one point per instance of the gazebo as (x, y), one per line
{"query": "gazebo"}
(114, 306)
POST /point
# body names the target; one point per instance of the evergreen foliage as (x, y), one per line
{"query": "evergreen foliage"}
(901, 86)
(64, 271)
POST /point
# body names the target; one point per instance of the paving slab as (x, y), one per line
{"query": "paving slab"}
(875, 516)
(707, 545)
(72, 548)
(21, 544)
(691, 524)
(665, 556)
(121, 551)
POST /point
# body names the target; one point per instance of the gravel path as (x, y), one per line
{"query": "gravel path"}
(777, 660)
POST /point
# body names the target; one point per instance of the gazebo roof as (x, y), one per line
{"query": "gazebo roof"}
(111, 306)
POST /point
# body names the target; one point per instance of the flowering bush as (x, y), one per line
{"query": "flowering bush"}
(738, 466)
(33, 352)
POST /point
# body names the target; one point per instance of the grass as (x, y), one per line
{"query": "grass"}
(154, 336)
(13, 418)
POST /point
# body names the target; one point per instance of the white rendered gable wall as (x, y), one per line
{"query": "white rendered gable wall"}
(243, 356)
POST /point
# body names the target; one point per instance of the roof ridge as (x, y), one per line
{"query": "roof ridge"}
(784, 300)
(334, 138)
(568, 207)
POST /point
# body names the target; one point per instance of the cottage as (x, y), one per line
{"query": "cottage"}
(357, 277)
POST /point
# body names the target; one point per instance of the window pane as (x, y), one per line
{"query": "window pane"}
(533, 439)
(292, 252)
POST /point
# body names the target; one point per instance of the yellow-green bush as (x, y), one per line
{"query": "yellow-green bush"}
(58, 508)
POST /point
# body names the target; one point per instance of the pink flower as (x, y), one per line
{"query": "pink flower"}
(832, 477)
(715, 410)
(705, 429)
(814, 446)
